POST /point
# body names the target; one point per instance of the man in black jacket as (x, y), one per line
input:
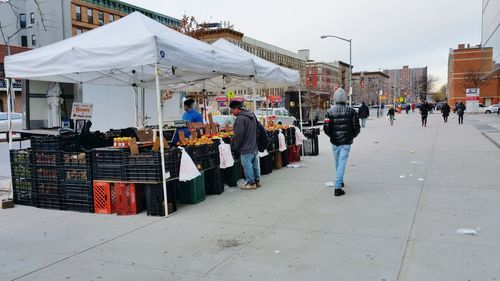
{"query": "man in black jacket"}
(363, 113)
(342, 126)
(245, 142)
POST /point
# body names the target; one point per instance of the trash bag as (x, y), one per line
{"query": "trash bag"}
(282, 141)
(225, 155)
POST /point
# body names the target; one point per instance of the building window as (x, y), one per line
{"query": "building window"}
(111, 18)
(22, 20)
(100, 16)
(32, 18)
(78, 31)
(24, 41)
(90, 16)
(33, 40)
(78, 11)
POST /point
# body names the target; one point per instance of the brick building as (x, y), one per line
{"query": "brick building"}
(18, 105)
(409, 82)
(473, 67)
(367, 85)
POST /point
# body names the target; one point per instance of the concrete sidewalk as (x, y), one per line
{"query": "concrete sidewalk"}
(408, 191)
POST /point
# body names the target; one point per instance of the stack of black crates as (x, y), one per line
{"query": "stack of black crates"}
(22, 176)
(311, 145)
(76, 181)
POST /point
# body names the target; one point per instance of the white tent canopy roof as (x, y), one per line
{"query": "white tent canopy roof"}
(124, 52)
(268, 75)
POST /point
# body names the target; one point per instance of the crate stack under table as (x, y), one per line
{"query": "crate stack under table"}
(76, 181)
(22, 177)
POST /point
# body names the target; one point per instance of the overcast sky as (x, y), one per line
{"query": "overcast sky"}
(385, 33)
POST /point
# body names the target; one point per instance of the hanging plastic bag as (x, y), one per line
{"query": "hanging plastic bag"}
(299, 136)
(188, 170)
(282, 141)
(263, 154)
(225, 156)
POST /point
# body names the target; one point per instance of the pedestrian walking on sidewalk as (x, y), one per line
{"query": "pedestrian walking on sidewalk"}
(245, 142)
(363, 113)
(342, 126)
(424, 112)
(446, 111)
(407, 108)
(391, 114)
(461, 111)
(413, 107)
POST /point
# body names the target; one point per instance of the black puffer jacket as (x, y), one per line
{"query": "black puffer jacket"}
(342, 124)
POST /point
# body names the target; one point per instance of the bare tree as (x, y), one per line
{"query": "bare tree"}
(190, 26)
(474, 79)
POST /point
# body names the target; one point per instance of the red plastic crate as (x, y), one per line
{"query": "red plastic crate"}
(294, 153)
(128, 199)
(104, 197)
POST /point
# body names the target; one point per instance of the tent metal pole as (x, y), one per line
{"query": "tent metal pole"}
(9, 110)
(160, 128)
(254, 94)
(300, 116)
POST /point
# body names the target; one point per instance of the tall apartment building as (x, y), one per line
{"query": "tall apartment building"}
(490, 34)
(473, 67)
(409, 82)
(26, 24)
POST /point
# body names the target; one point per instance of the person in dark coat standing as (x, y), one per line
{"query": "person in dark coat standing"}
(461, 111)
(391, 113)
(446, 111)
(424, 112)
(342, 126)
(363, 113)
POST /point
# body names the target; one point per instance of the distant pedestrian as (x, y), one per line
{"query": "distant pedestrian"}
(391, 114)
(424, 112)
(455, 108)
(413, 107)
(342, 126)
(363, 113)
(461, 111)
(245, 142)
(446, 111)
(408, 107)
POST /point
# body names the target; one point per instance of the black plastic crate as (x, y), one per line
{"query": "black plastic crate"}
(23, 191)
(83, 204)
(76, 175)
(266, 164)
(173, 162)
(77, 190)
(155, 199)
(75, 159)
(311, 146)
(46, 173)
(20, 156)
(110, 156)
(108, 172)
(48, 195)
(21, 171)
(46, 158)
(214, 185)
(143, 173)
(52, 143)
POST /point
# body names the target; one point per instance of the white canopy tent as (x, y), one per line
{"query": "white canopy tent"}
(133, 51)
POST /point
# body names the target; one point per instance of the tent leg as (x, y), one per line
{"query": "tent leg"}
(9, 110)
(160, 128)
(254, 94)
(300, 116)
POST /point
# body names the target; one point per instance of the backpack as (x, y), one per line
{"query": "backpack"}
(262, 139)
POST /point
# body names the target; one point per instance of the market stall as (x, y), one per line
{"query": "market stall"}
(134, 51)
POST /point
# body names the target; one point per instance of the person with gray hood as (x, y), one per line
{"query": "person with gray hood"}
(245, 142)
(342, 126)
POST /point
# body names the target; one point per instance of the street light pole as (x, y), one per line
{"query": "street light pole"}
(350, 62)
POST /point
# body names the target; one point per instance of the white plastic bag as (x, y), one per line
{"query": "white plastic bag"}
(188, 170)
(282, 141)
(225, 156)
(263, 154)
(299, 136)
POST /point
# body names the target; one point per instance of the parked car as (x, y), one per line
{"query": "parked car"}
(280, 114)
(224, 120)
(491, 109)
(17, 122)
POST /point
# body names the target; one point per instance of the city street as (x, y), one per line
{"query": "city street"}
(409, 189)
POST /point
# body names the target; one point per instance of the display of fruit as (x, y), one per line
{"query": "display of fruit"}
(275, 127)
(195, 142)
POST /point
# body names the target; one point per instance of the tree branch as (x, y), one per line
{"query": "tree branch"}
(42, 15)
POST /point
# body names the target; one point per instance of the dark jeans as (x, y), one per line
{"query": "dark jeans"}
(460, 118)
(424, 120)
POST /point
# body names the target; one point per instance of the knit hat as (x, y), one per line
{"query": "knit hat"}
(236, 104)
(340, 96)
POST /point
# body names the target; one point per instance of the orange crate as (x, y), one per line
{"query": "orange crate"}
(128, 199)
(104, 197)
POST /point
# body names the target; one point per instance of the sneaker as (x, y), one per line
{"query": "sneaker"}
(258, 184)
(339, 192)
(249, 186)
